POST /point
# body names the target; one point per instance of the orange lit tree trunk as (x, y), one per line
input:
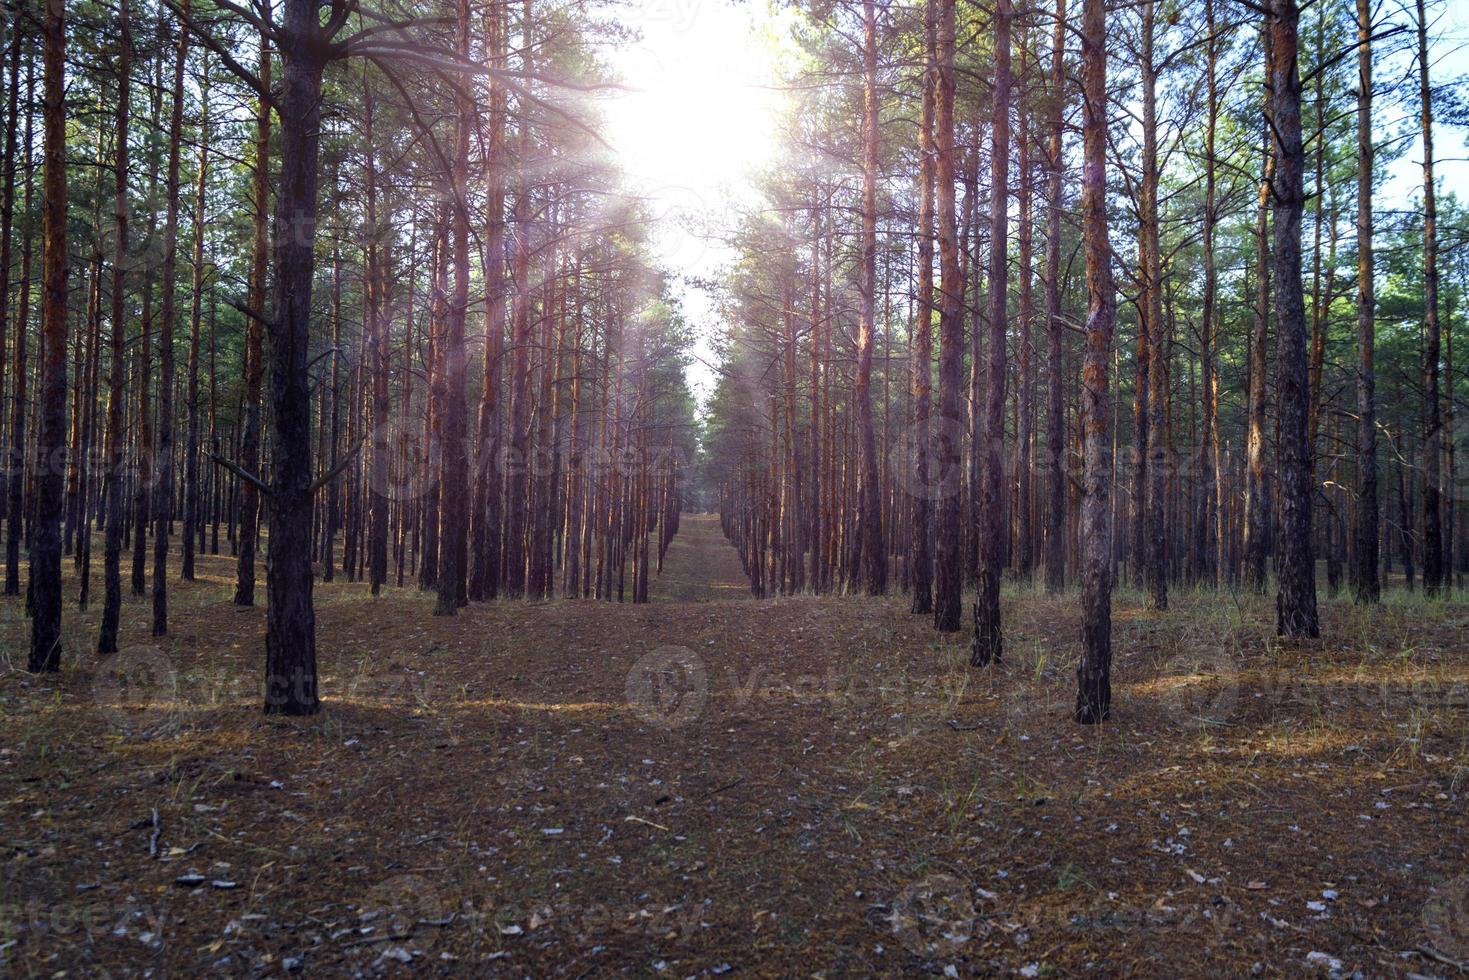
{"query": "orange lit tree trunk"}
(1094, 674)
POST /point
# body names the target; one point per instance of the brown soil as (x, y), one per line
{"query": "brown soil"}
(711, 784)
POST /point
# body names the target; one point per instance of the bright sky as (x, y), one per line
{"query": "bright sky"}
(698, 121)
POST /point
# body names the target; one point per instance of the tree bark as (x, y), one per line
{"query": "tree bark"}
(193, 527)
(163, 488)
(874, 556)
(1094, 674)
(249, 496)
(988, 642)
(45, 593)
(114, 438)
(1296, 601)
(290, 625)
(922, 355)
(1055, 370)
(1433, 570)
(454, 487)
(1154, 534)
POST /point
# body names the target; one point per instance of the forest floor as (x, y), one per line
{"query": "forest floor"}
(710, 784)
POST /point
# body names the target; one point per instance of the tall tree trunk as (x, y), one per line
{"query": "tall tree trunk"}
(454, 487)
(1255, 502)
(1024, 531)
(988, 642)
(1209, 540)
(11, 471)
(193, 526)
(520, 393)
(379, 258)
(15, 523)
(249, 495)
(923, 331)
(1154, 510)
(948, 613)
(290, 625)
(874, 556)
(114, 438)
(484, 582)
(147, 431)
(1094, 674)
(45, 594)
(163, 489)
(1433, 570)
(1055, 369)
(1296, 601)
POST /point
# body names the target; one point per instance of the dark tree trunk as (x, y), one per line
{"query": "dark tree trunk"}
(45, 592)
(249, 495)
(1296, 602)
(9, 471)
(1024, 558)
(114, 438)
(520, 394)
(923, 332)
(948, 612)
(874, 556)
(15, 523)
(1366, 586)
(1255, 503)
(1154, 558)
(1055, 411)
(163, 489)
(1094, 674)
(290, 625)
(193, 536)
(453, 526)
(1209, 538)
(988, 642)
(484, 580)
(1433, 567)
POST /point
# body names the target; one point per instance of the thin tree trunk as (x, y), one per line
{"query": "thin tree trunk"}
(1154, 511)
(248, 495)
(988, 642)
(114, 438)
(163, 489)
(1433, 570)
(1055, 420)
(874, 557)
(45, 591)
(454, 487)
(922, 358)
(193, 526)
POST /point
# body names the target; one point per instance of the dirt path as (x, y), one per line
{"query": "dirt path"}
(700, 565)
(710, 785)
